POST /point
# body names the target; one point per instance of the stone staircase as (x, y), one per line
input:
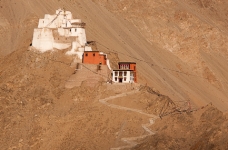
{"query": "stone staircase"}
(88, 75)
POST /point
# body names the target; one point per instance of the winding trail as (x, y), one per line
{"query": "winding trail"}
(131, 140)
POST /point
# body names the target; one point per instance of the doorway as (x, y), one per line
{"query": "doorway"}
(120, 80)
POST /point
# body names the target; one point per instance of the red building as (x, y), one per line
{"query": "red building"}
(94, 57)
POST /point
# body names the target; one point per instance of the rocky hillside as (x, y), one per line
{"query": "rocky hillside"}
(38, 112)
(180, 47)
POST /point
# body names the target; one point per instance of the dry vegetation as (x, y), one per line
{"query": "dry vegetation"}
(180, 49)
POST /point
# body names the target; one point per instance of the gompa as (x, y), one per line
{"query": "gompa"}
(61, 31)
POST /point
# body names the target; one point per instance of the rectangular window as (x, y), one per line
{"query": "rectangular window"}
(120, 73)
(116, 73)
(125, 73)
(125, 79)
(93, 54)
(115, 78)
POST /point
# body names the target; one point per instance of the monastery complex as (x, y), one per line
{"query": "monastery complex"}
(61, 32)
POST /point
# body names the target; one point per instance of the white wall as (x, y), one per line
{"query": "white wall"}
(80, 33)
(43, 39)
(108, 64)
(76, 20)
(88, 48)
(129, 79)
(61, 46)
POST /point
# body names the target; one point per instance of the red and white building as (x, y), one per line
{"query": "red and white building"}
(125, 74)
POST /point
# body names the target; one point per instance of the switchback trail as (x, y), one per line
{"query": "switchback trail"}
(131, 141)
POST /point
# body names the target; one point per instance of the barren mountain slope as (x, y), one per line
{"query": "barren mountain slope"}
(204, 129)
(19, 18)
(195, 31)
(38, 112)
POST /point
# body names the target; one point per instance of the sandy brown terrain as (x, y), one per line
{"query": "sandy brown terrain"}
(151, 35)
(180, 48)
(37, 112)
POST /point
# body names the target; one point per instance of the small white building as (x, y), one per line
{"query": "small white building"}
(123, 76)
(61, 31)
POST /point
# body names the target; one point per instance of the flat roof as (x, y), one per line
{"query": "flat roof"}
(100, 53)
(92, 51)
(126, 62)
(122, 70)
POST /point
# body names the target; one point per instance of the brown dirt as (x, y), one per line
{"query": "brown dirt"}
(184, 40)
(204, 129)
(188, 36)
(37, 112)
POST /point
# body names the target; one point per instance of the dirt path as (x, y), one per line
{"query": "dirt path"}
(131, 141)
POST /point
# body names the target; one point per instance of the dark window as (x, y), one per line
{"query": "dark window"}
(116, 73)
(75, 30)
(125, 79)
(86, 54)
(125, 73)
(115, 78)
(121, 73)
(132, 74)
(93, 54)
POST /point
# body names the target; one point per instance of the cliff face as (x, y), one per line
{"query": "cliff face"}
(185, 41)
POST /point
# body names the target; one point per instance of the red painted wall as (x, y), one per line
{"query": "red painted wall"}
(94, 58)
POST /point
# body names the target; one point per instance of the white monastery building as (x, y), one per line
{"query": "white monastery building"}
(61, 31)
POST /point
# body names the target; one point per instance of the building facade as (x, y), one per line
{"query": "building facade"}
(94, 57)
(122, 76)
(126, 73)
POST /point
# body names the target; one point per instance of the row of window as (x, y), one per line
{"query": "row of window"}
(124, 79)
(123, 73)
(60, 38)
(87, 54)
(120, 73)
(74, 29)
(125, 66)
